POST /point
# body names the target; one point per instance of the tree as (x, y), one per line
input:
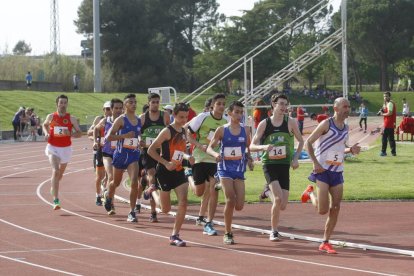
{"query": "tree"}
(22, 48)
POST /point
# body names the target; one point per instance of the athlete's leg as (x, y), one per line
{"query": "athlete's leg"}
(181, 192)
(276, 196)
(133, 170)
(336, 197)
(212, 203)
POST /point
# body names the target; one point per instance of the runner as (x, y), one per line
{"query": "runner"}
(231, 163)
(327, 155)
(108, 147)
(205, 167)
(126, 129)
(57, 128)
(98, 139)
(153, 121)
(170, 172)
(274, 136)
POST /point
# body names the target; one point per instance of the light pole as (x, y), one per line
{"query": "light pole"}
(96, 48)
(344, 51)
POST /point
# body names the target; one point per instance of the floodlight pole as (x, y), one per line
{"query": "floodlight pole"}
(96, 48)
(344, 51)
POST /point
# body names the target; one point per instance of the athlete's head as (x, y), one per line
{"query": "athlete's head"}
(219, 103)
(107, 108)
(342, 107)
(62, 103)
(117, 107)
(280, 103)
(313, 116)
(387, 96)
(130, 102)
(207, 105)
(180, 113)
(236, 111)
(153, 102)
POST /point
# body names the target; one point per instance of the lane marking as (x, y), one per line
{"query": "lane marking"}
(37, 265)
(44, 250)
(39, 161)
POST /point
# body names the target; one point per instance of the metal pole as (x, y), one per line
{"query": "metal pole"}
(245, 78)
(344, 51)
(251, 92)
(96, 48)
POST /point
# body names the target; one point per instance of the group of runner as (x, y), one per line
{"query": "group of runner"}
(154, 152)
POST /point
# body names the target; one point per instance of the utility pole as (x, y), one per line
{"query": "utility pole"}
(344, 51)
(54, 28)
(96, 48)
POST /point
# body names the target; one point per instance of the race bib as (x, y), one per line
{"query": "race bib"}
(113, 144)
(334, 158)
(131, 143)
(177, 156)
(277, 153)
(60, 131)
(210, 135)
(232, 153)
(148, 141)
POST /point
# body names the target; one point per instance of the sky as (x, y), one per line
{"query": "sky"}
(29, 20)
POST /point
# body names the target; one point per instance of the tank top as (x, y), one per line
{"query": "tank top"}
(233, 151)
(151, 129)
(281, 139)
(129, 145)
(389, 121)
(108, 146)
(174, 149)
(330, 147)
(60, 130)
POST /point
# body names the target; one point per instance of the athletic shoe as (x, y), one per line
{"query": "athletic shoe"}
(265, 193)
(153, 217)
(327, 247)
(228, 238)
(175, 240)
(148, 192)
(218, 186)
(137, 208)
(383, 154)
(209, 230)
(56, 204)
(306, 194)
(98, 201)
(188, 172)
(112, 212)
(132, 217)
(201, 221)
(274, 236)
(109, 207)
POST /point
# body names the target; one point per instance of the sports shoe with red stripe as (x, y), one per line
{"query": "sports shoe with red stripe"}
(305, 195)
(327, 247)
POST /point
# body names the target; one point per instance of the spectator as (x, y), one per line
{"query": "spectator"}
(259, 113)
(16, 122)
(406, 108)
(389, 112)
(170, 109)
(76, 81)
(207, 105)
(363, 115)
(300, 116)
(28, 80)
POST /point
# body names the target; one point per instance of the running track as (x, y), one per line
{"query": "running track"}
(81, 239)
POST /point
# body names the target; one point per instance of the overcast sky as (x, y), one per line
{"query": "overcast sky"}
(29, 20)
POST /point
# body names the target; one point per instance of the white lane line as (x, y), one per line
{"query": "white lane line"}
(208, 245)
(39, 161)
(40, 266)
(33, 156)
(110, 251)
(44, 250)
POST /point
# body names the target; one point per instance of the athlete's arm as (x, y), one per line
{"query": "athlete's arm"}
(321, 129)
(293, 127)
(117, 125)
(164, 135)
(250, 162)
(78, 131)
(94, 123)
(218, 136)
(255, 144)
(46, 124)
(96, 131)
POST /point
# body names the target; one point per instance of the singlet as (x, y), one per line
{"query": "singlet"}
(60, 130)
(389, 121)
(108, 146)
(281, 139)
(233, 151)
(330, 147)
(129, 145)
(204, 125)
(174, 149)
(151, 129)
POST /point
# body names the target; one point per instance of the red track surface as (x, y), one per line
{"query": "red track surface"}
(82, 239)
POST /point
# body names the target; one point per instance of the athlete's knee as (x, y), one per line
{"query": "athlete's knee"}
(165, 209)
(231, 201)
(239, 206)
(199, 190)
(277, 201)
(323, 211)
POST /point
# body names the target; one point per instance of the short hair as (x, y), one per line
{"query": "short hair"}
(313, 115)
(114, 101)
(218, 96)
(145, 108)
(129, 96)
(62, 96)
(153, 96)
(276, 97)
(180, 107)
(235, 103)
(208, 102)
(388, 93)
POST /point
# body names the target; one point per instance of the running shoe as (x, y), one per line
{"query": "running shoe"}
(109, 207)
(188, 172)
(327, 247)
(201, 221)
(228, 238)
(137, 208)
(153, 217)
(112, 212)
(265, 193)
(175, 240)
(56, 204)
(132, 217)
(209, 230)
(306, 194)
(218, 186)
(274, 236)
(98, 201)
(148, 192)
(383, 154)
